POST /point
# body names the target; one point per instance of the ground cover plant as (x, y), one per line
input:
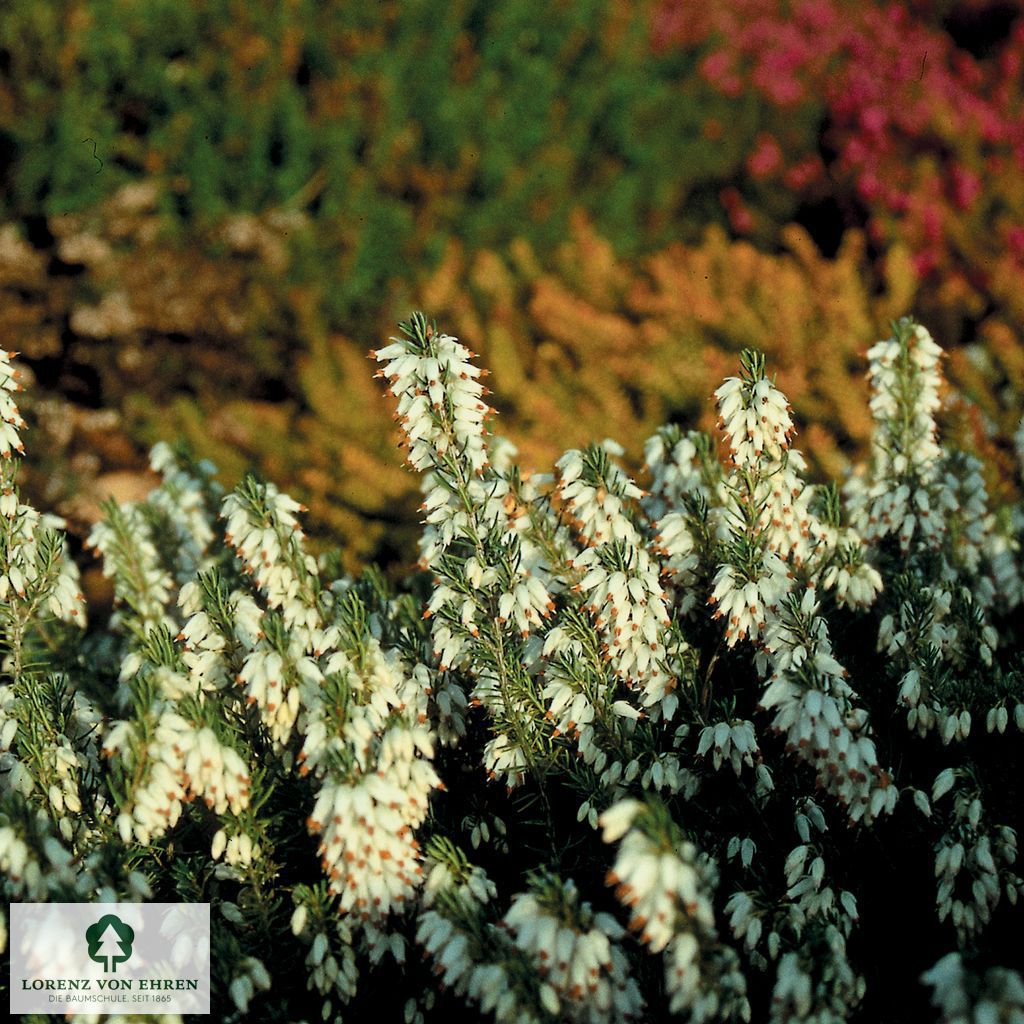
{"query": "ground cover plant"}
(727, 746)
(207, 205)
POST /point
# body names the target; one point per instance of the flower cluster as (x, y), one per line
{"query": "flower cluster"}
(754, 577)
(577, 952)
(359, 708)
(174, 762)
(439, 394)
(456, 920)
(142, 585)
(10, 439)
(805, 930)
(261, 526)
(35, 569)
(657, 874)
(487, 576)
(367, 820)
(815, 710)
(925, 516)
(729, 742)
(964, 998)
(550, 957)
(972, 858)
(619, 578)
(252, 977)
(755, 416)
(681, 671)
(905, 382)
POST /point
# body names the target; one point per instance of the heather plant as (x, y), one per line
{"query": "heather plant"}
(725, 746)
(234, 161)
(325, 108)
(903, 118)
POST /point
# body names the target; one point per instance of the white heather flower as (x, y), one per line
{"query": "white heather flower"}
(789, 526)
(596, 494)
(658, 875)
(219, 844)
(440, 397)
(366, 817)
(576, 952)
(254, 977)
(182, 498)
(966, 997)
(444, 936)
(903, 495)
(855, 581)
(247, 618)
(662, 887)
(744, 599)
(678, 463)
(619, 579)
(755, 416)
(35, 566)
(489, 574)
(629, 607)
(733, 742)
(180, 762)
(66, 601)
(525, 604)
(815, 710)
(273, 689)
(331, 958)
(241, 851)
(331, 681)
(676, 545)
(142, 585)
(618, 819)
(906, 362)
(262, 527)
(972, 860)
(721, 996)
(504, 758)
(10, 418)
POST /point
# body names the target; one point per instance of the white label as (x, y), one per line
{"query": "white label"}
(121, 958)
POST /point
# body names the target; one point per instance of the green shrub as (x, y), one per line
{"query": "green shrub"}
(396, 125)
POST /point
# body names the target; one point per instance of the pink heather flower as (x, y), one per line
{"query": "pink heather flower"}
(966, 187)
(1015, 241)
(716, 66)
(766, 158)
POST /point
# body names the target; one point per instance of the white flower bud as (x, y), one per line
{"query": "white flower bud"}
(220, 840)
(943, 784)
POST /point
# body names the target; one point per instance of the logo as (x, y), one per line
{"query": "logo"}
(110, 941)
(128, 959)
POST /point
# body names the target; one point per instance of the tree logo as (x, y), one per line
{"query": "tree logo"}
(110, 941)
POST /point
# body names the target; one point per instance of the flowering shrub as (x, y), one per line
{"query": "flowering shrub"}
(730, 746)
(881, 110)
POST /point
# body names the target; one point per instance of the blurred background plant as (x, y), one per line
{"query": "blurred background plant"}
(211, 209)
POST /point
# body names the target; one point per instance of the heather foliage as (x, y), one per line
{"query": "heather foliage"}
(594, 343)
(725, 746)
(918, 130)
(396, 125)
(555, 180)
